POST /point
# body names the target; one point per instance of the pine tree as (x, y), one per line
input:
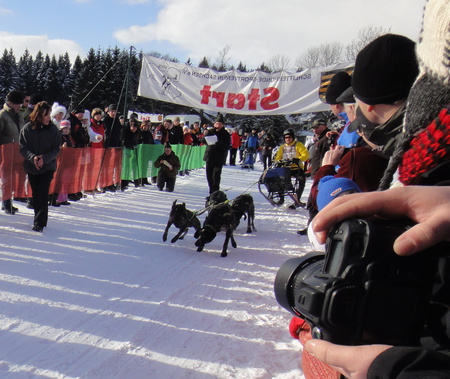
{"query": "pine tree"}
(63, 75)
(54, 91)
(37, 67)
(241, 67)
(204, 63)
(44, 78)
(264, 68)
(25, 73)
(87, 80)
(8, 73)
(71, 84)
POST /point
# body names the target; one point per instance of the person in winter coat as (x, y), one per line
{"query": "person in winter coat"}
(40, 143)
(145, 138)
(58, 113)
(267, 146)
(187, 136)
(216, 153)
(98, 127)
(145, 135)
(294, 153)
(251, 148)
(169, 164)
(380, 112)
(78, 132)
(320, 147)
(113, 128)
(131, 136)
(66, 142)
(422, 158)
(10, 125)
(235, 145)
(176, 132)
(194, 136)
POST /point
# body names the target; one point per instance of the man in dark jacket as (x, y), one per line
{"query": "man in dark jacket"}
(176, 132)
(78, 133)
(113, 128)
(320, 147)
(169, 165)
(10, 125)
(216, 152)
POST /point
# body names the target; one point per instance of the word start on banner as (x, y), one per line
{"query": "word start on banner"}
(238, 100)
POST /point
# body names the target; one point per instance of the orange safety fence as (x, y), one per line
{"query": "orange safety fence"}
(77, 170)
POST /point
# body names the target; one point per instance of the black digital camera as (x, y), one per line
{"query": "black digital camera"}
(360, 292)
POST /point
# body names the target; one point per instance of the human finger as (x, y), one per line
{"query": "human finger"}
(423, 235)
(351, 361)
(357, 205)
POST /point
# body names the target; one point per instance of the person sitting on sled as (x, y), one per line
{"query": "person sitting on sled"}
(293, 153)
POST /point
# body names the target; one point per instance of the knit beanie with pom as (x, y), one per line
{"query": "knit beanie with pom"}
(426, 136)
(330, 188)
(56, 108)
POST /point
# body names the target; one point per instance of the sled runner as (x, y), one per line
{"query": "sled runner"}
(276, 183)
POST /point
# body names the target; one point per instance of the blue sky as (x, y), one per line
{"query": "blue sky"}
(254, 30)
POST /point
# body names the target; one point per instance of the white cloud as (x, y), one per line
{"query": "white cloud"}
(40, 43)
(258, 30)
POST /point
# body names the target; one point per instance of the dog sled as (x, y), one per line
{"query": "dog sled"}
(248, 160)
(276, 183)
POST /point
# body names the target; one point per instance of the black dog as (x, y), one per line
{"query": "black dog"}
(215, 198)
(183, 219)
(243, 206)
(220, 218)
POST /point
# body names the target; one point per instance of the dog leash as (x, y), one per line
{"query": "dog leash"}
(201, 211)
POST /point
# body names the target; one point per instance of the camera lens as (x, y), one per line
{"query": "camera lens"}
(290, 277)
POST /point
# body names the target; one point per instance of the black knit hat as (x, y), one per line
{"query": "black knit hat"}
(78, 109)
(15, 97)
(338, 84)
(385, 70)
(423, 145)
(36, 98)
(220, 118)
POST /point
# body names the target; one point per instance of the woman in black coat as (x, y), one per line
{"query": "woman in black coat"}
(40, 143)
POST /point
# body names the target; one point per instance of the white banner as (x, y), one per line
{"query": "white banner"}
(247, 93)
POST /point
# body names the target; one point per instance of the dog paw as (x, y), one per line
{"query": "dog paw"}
(199, 249)
(249, 230)
(164, 237)
(173, 240)
(234, 244)
(224, 253)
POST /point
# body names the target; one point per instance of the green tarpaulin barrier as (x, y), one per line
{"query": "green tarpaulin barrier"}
(138, 163)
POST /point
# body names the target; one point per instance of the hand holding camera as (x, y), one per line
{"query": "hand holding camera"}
(360, 291)
(428, 207)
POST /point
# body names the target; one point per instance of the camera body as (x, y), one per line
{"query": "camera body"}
(360, 291)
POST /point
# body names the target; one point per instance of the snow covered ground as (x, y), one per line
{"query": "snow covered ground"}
(100, 295)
